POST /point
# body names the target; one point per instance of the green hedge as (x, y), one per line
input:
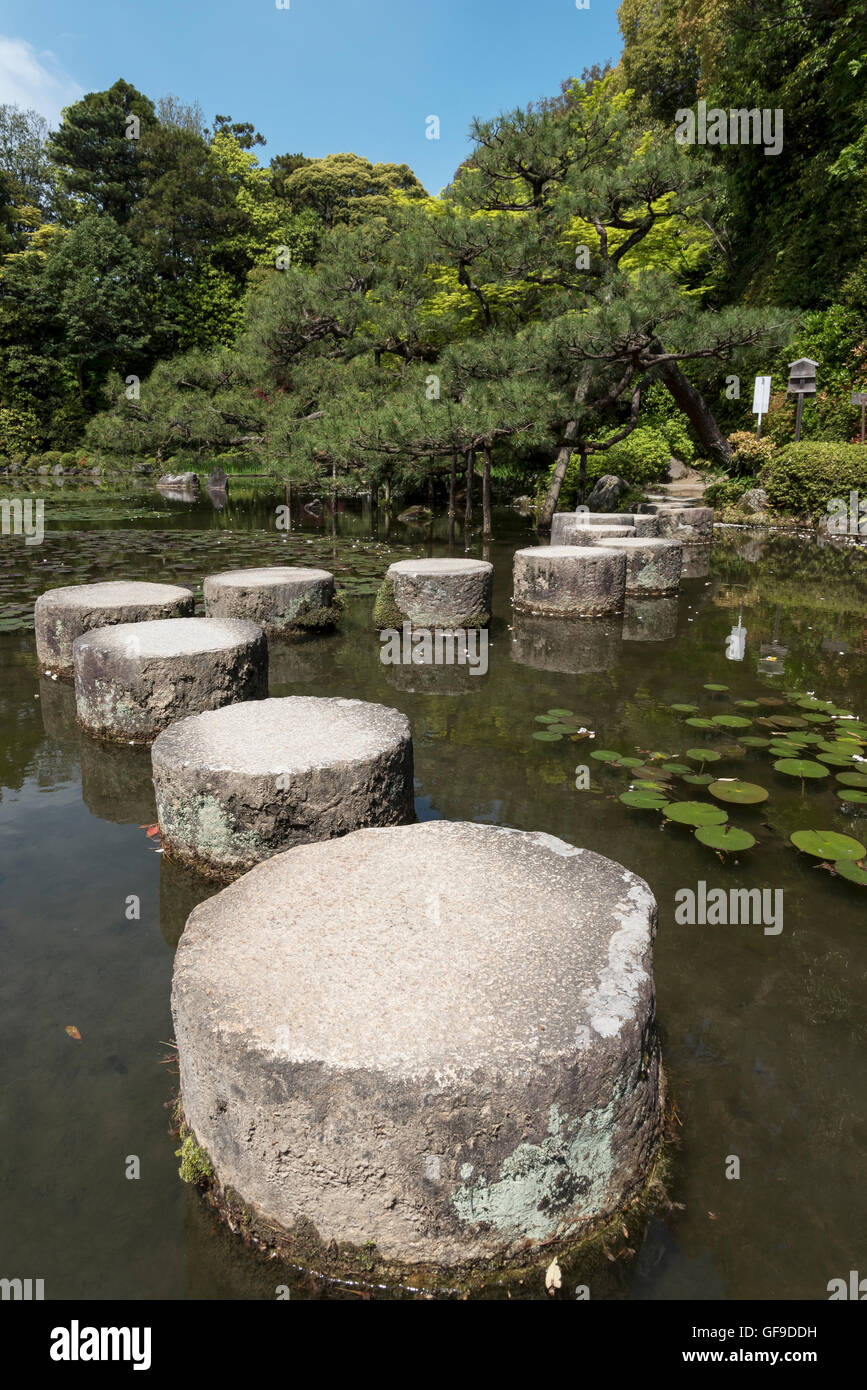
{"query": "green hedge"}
(803, 478)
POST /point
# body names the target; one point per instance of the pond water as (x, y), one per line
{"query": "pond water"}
(763, 1032)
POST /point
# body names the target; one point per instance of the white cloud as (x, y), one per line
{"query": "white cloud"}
(31, 79)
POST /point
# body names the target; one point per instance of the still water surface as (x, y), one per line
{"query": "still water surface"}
(763, 1035)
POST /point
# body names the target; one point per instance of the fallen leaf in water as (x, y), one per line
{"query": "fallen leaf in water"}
(712, 1215)
(553, 1277)
(151, 830)
(73, 1032)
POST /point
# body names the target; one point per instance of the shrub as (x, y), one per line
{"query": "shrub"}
(52, 458)
(20, 431)
(723, 491)
(748, 453)
(69, 460)
(803, 478)
(676, 436)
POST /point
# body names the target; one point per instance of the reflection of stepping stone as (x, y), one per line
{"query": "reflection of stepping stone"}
(569, 581)
(61, 615)
(437, 1038)
(281, 599)
(237, 785)
(133, 680)
(435, 593)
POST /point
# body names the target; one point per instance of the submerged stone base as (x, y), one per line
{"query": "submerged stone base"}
(283, 600)
(237, 785)
(63, 614)
(569, 581)
(438, 1039)
(133, 680)
(435, 593)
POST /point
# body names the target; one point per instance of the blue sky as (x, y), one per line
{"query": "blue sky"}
(321, 76)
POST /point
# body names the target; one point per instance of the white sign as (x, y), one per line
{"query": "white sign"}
(761, 395)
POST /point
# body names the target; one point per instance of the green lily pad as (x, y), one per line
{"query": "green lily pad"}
(747, 704)
(725, 837)
(643, 800)
(545, 736)
(716, 687)
(679, 768)
(854, 798)
(841, 745)
(853, 872)
(739, 793)
(546, 719)
(810, 702)
(695, 813)
(702, 755)
(788, 721)
(562, 728)
(818, 718)
(630, 762)
(827, 844)
(701, 723)
(561, 713)
(684, 709)
(732, 721)
(853, 779)
(801, 767)
(835, 759)
(699, 779)
(754, 742)
(605, 755)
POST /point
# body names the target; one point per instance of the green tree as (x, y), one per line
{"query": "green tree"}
(96, 150)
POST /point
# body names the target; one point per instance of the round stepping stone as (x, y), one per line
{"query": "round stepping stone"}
(569, 580)
(133, 680)
(237, 785)
(585, 535)
(281, 599)
(690, 525)
(61, 615)
(438, 1039)
(564, 523)
(653, 565)
(435, 593)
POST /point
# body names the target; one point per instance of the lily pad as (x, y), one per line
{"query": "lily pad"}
(643, 800)
(561, 713)
(853, 872)
(605, 755)
(685, 709)
(788, 721)
(739, 793)
(699, 779)
(827, 844)
(679, 768)
(747, 704)
(853, 798)
(853, 779)
(835, 759)
(725, 837)
(695, 813)
(801, 767)
(702, 755)
(716, 687)
(701, 723)
(546, 719)
(753, 741)
(545, 736)
(732, 721)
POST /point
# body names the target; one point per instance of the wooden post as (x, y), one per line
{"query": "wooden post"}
(798, 412)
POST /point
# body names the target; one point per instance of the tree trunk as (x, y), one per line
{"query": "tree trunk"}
(695, 408)
(487, 525)
(549, 506)
(582, 474)
(453, 479)
(387, 491)
(471, 466)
